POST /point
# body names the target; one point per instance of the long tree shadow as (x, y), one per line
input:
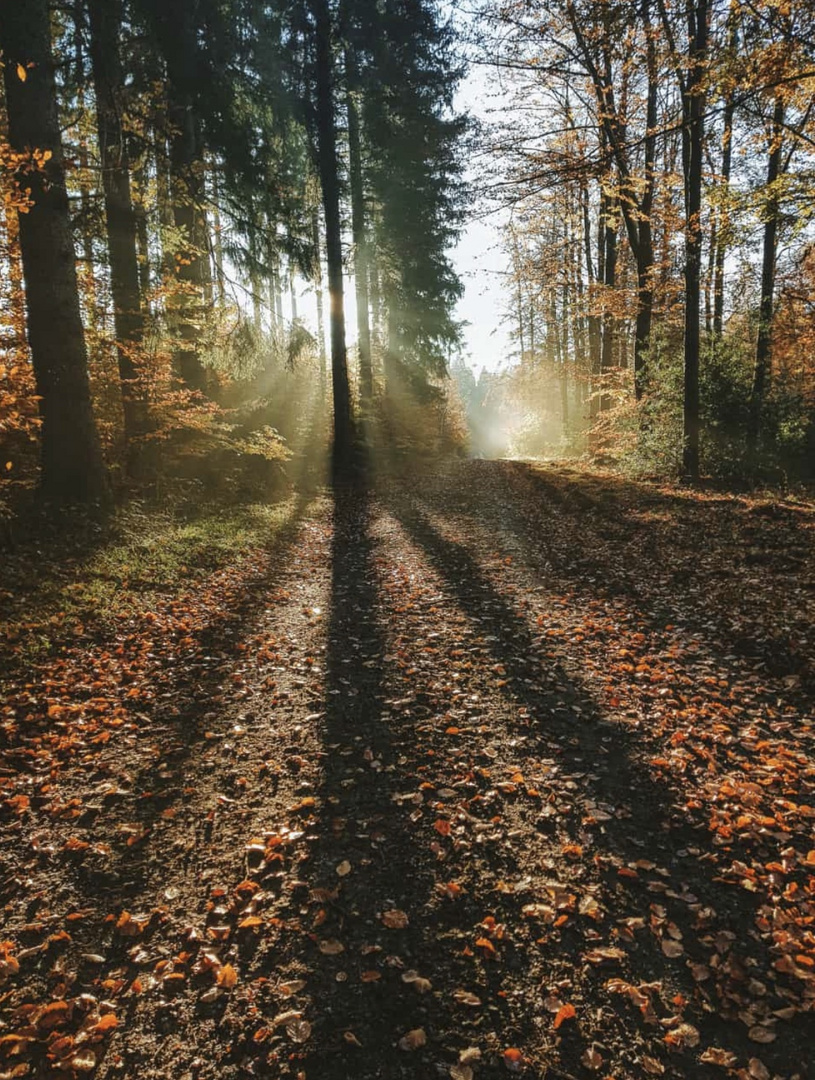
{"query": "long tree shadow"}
(366, 855)
(700, 552)
(191, 695)
(647, 818)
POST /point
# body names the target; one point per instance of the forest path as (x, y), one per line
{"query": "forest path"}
(501, 769)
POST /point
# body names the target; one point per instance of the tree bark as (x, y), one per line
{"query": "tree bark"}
(693, 134)
(326, 123)
(360, 233)
(761, 369)
(72, 467)
(192, 270)
(609, 281)
(122, 227)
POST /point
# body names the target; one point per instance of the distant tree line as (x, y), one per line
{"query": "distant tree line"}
(658, 177)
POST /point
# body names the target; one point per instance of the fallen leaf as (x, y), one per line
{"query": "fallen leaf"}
(461, 1072)
(652, 1066)
(330, 947)
(298, 1030)
(513, 1059)
(464, 997)
(395, 919)
(714, 1055)
(413, 1040)
(227, 977)
(681, 1036)
(672, 948)
(567, 1012)
(591, 1059)
(84, 1061)
(760, 1034)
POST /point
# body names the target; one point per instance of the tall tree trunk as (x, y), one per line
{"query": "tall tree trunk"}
(761, 369)
(139, 194)
(292, 293)
(720, 241)
(693, 135)
(87, 275)
(122, 234)
(187, 178)
(359, 231)
(644, 249)
(257, 307)
(218, 240)
(593, 318)
(722, 231)
(530, 322)
(318, 287)
(330, 184)
(164, 202)
(609, 281)
(72, 468)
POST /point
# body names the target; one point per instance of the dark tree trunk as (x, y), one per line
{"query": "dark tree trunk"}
(609, 281)
(644, 249)
(360, 234)
(761, 368)
(187, 169)
(330, 184)
(693, 136)
(72, 467)
(186, 193)
(122, 229)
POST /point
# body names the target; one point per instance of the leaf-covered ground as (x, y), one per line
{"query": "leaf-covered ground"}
(505, 770)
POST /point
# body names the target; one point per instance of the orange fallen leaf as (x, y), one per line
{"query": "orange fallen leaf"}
(395, 919)
(513, 1059)
(566, 1012)
(227, 977)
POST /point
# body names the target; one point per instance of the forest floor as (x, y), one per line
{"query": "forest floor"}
(506, 769)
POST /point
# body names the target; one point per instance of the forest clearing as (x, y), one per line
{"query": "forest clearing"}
(407, 539)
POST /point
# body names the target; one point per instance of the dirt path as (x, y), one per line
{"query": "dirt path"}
(499, 771)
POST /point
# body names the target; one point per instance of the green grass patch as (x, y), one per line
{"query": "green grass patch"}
(88, 578)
